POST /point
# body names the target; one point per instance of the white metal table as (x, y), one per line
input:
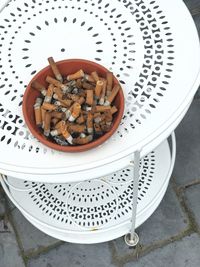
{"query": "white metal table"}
(154, 55)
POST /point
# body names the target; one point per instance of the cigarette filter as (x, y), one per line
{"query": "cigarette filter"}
(113, 94)
(49, 94)
(80, 119)
(56, 132)
(47, 121)
(90, 123)
(95, 76)
(98, 88)
(56, 114)
(76, 128)
(109, 78)
(82, 141)
(38, 115)
(89, 97)
(103, 92)
(76, 75)
(75, 112)
(66, 134)
(102, 108)
(55, 69)
(56, 83)
(88, 86)
(48, 106)
(89, 78)
(38, 86)
(113, 110)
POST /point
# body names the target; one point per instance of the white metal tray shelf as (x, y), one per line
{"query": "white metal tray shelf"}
(97, 210)
(144, 45)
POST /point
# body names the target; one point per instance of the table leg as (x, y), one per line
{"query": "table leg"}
(132, 238)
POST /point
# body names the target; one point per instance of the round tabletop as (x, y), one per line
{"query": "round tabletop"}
(151, 46)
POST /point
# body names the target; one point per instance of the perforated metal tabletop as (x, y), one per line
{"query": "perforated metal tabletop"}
(154, 56)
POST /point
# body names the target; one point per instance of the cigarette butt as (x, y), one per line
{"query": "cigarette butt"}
(71, 83)
(66, 134)
(54, 121)
(76, 75)
(100, 118)
(56, 132)
(97, 129)
(88, 86)
(81, 100)
(89, 78)
(56, 114)
(88, 108)
(60, 140)
(108, 117)
(57, 103)
(98, 88)
(38, 101)
(109, 78)
(89, 97)
(43, 112)
(49, 94)
(89, 123)
(55, 69)
(66, 102)
(38, 115)
(67, 112)
(102, 108)
(82, 141)
(113, 94)
(95, 76)
(82, 135)
(60, 124)
(80, 119)
(48, 106)
(82, 92)
(57, 83)
(58, 92)
(72, 97)
(76, 128)
(79, 83)
(47, 121)
(38, 86)
(97, 114)
(113, 110)
(75, 112)
(105, 128)
(103, 93)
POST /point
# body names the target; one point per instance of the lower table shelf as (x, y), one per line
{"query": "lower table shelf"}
(96, 210)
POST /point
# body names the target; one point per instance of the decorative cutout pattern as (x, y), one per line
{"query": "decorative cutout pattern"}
(113, 38)
(92, 204)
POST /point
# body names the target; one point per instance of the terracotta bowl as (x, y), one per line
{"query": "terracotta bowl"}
(66, 67)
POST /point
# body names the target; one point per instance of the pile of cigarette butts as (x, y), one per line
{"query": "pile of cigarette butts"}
(76, 109)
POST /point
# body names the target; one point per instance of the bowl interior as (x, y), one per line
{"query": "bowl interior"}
(66, 67)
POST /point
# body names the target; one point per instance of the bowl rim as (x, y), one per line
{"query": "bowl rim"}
(76, 148)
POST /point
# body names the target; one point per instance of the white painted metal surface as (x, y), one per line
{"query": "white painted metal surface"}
(98, 210)
(142, 42)
(94, 173)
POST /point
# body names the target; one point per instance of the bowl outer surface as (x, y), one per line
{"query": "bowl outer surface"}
(66, 67)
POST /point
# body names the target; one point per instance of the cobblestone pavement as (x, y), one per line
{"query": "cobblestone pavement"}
(170, 237)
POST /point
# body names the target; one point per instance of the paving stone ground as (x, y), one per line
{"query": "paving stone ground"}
(31, 238)
(193, 201)
(2, 203)
(10, 255)
(177, 254)
(169, 238)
